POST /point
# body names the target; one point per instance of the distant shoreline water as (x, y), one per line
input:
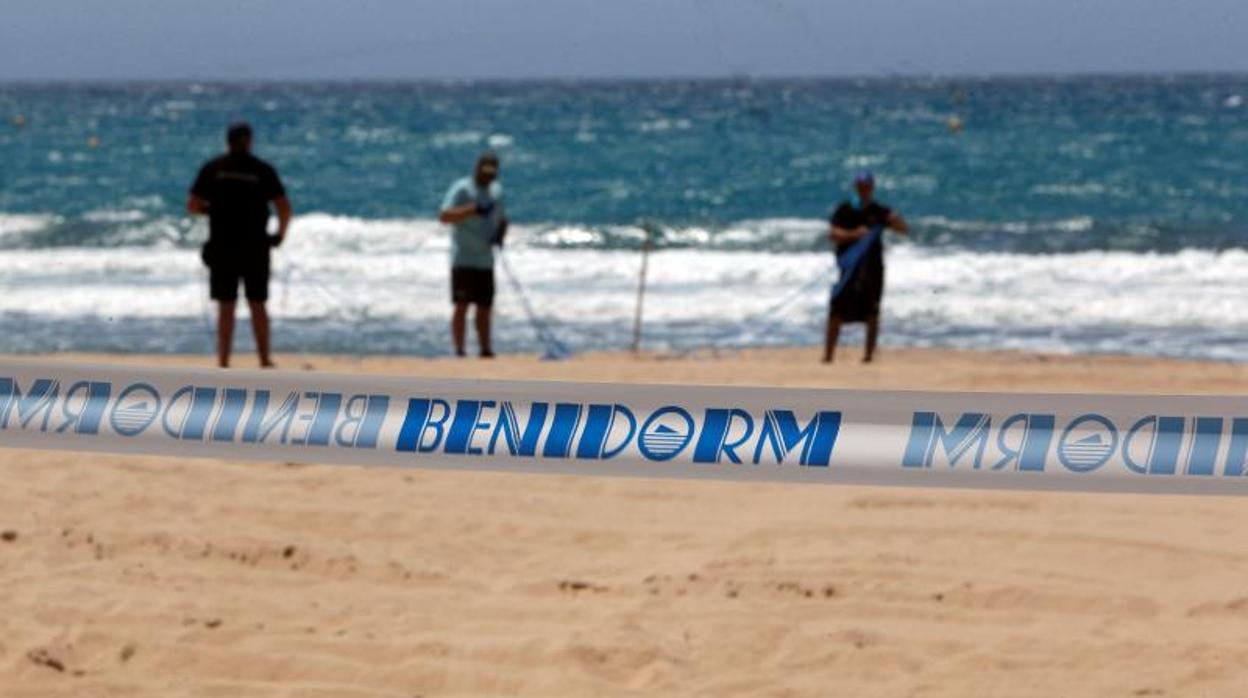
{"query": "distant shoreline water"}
(1091, 214)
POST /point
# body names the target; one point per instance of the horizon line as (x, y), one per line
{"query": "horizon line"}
(606, 79)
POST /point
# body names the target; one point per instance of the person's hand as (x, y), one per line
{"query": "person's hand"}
(485, 208)
(500, 233)
(861, 232)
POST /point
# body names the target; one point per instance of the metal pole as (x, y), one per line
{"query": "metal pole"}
(641, 286)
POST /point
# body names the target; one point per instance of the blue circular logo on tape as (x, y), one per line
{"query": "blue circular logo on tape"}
(665, 434)
(1095, 446)
(135, 410)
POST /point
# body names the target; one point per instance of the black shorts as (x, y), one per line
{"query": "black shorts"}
(251, 268)
(472, 286)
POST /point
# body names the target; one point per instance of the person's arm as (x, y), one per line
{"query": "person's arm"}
(500, 233)
(457, 205)
(500, 230)
(840, 236)
(284, 214)
(898, 224)
(196, 205)
(275, 191)
(456, 214)
(839, 230)
(197, 199)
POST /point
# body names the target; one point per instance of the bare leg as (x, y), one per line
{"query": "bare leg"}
(831, 337)
(260, 328)
(482, 319)
(459, 322)
(225, 332)
(873, 333)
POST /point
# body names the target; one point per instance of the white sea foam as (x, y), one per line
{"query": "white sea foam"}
(864, 160)
(360, 134)
(19, 223)
(1074, 224)
(449, 139)
(661, 124)
(114, 216)
(346, 284)
(500, 140)
(1075, 189)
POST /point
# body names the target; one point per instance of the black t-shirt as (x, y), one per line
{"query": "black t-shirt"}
(848, 217)
(238, 188)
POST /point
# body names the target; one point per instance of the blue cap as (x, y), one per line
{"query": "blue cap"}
(864, 177)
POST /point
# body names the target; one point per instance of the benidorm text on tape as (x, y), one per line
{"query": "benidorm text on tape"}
(1129, 443)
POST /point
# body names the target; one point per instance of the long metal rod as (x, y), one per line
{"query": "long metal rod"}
(641, 289)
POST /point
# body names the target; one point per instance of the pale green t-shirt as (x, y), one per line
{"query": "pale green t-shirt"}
(471, 238)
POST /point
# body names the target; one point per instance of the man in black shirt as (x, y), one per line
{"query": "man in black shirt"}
(857, 232)
(235, 191)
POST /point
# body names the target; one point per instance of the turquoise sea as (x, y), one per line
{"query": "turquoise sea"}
(1091, 214)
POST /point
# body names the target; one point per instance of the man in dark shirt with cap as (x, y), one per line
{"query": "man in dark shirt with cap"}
(857, 231)
(235, 191)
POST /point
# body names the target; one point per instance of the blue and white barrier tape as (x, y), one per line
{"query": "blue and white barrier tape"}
(1124, 443)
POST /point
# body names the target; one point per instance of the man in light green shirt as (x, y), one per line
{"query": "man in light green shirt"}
(473, 206)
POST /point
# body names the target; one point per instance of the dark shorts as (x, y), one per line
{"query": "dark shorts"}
(252, 269)
(472, 286)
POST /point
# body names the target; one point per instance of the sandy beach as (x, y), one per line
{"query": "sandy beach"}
(140, 576)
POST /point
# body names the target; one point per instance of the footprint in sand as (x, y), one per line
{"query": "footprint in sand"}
(42, 658)
(574, 586)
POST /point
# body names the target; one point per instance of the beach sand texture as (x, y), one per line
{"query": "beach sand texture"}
(139, 576)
